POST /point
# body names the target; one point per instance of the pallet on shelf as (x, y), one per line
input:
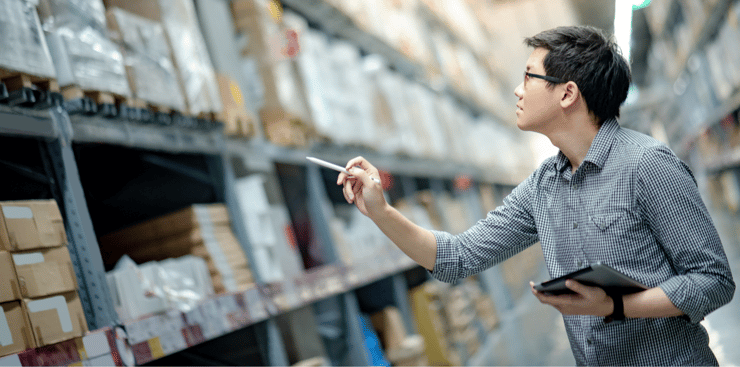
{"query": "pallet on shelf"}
(18, 88)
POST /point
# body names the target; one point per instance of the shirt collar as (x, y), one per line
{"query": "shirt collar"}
(600, 147)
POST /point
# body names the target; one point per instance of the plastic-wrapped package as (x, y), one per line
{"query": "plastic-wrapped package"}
(421, 103)
(393, 87)
(22, 42)
(84, 56)
(350, 98)
(284, 110)
(355, 235)
(147, 58)
(154, 287)
(191, 56)
(387, 135)
(252, 199)
(185, 281)
(453, 121)
(314, 66)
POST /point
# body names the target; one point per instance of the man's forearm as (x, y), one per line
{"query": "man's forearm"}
(416, 242)
(650, 303)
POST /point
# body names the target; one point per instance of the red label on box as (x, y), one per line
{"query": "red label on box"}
(142, 353)
(61, 354)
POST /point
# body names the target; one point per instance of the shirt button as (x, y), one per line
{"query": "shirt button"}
(575, 186)
(589, 341)
(575, 225)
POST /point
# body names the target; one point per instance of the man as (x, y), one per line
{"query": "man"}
(611, 195)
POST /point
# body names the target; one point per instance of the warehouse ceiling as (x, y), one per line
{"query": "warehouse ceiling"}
(597, 13)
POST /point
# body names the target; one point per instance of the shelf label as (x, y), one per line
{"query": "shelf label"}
(255, 304)
(142, 352)
(172, 342)
(155, 348)
(193, 335)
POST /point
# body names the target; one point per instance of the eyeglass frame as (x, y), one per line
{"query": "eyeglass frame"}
(550, 79)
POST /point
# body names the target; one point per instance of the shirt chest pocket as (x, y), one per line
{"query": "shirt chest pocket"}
(603, 221)
(614, 233)
(609, 226)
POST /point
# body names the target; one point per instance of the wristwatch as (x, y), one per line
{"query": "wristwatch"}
(617, 315)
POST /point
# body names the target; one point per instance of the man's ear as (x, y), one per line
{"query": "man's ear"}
(571, 94)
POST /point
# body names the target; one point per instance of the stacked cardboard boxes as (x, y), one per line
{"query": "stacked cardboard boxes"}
(238, 120)
(272, 47)
(401, 349)
(426, 303)
(485, 309)
(202, 230)
(461, 314)
(38, 287)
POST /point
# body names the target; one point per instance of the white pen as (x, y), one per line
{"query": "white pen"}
(335, 167)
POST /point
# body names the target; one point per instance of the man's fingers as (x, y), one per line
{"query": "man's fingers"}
(347, 190)
(578, 287)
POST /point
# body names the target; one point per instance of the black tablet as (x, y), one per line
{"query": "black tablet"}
(598, 275)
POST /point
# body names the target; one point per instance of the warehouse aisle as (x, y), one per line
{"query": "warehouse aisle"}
(723, 325)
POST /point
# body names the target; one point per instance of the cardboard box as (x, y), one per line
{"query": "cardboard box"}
(45, 272)
(55, 319)
(237, 120)
(15, 330)
(167, 225)
(431, 326)
(9, 289)
(389, 325)
(144, 8)
(27, 225)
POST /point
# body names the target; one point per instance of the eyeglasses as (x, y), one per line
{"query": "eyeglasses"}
(545, 77)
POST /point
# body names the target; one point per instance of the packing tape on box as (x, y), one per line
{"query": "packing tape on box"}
(58, 303)
(6, 338)
(17, 212)
(28, 259)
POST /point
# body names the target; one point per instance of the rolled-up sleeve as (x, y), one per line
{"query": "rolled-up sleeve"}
(670, 201)
(504, 232)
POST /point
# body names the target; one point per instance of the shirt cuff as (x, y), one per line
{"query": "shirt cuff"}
(446, 267)
(686, 296)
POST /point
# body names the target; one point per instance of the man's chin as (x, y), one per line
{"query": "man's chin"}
(521, 125)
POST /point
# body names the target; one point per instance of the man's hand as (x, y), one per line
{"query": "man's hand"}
(361, 189)
(586, 300)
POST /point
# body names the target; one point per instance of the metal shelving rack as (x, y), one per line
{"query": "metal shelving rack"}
(52, 129)
(679, 69)
(325, 289)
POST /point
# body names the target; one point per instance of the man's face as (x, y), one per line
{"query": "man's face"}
(537, 103)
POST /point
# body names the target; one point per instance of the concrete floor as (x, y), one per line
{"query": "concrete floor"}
(723, 324)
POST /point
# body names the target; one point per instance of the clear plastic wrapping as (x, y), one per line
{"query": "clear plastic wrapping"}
(191, 56)
(22, 41)
(83, 54)
(155, 287)
(147, 57)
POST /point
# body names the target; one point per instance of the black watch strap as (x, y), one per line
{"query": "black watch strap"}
(618, 313)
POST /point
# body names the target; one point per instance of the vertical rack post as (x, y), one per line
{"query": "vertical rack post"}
(83, 245)
(270, 341)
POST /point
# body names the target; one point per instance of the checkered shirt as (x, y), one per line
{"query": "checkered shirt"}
(632, 205)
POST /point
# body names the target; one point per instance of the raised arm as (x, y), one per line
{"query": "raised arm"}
(416, 242)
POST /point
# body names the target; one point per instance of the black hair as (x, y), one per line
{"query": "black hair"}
(591, 59)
